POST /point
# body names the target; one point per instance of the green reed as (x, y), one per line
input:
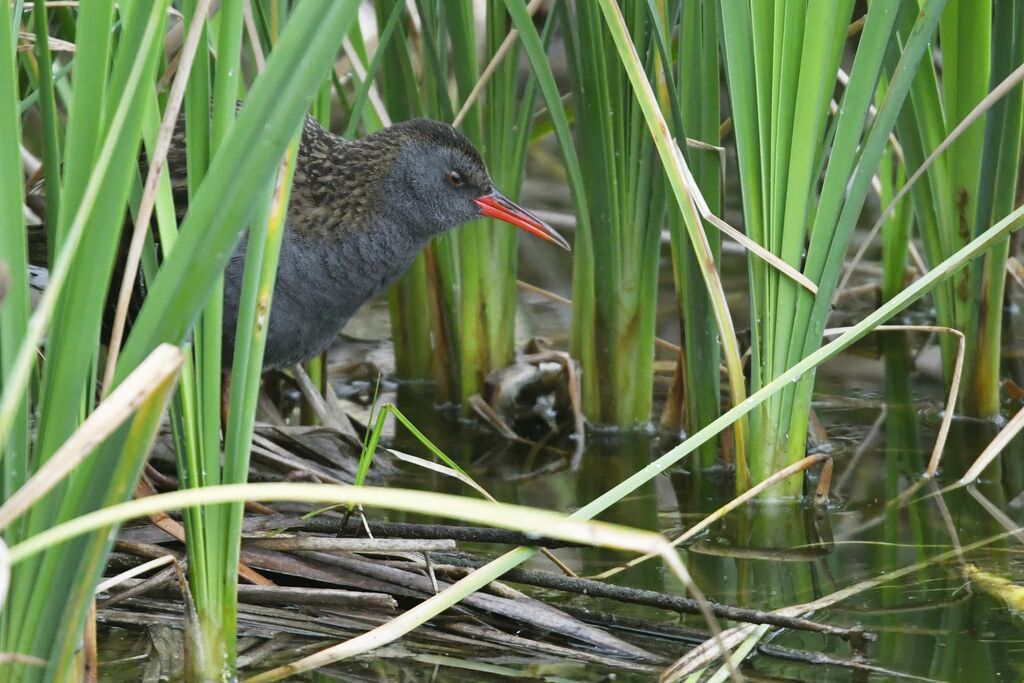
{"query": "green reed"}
(616, 264)
(98, 156)
(781, 63)
(214, 531)
(972, 182)
(694, 68)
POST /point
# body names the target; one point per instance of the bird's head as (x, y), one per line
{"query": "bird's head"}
(438, 181)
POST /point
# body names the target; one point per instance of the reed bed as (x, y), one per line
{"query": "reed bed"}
(637, 116)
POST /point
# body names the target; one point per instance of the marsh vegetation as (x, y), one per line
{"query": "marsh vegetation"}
(768, 407)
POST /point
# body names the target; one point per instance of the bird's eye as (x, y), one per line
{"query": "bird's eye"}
(455, 179)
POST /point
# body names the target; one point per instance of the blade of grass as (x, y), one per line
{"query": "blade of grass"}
(49, 118)
(515, 517)
(263, 249)
(14, 313)
(133, 444)
(847, 181)
(1000, 154)
(674, 163)
(96, 197)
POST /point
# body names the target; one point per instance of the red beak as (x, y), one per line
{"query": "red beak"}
(497, 205)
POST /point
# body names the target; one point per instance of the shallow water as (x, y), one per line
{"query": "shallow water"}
(881, 420)
(931, 622)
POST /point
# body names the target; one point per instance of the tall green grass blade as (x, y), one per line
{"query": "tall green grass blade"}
(213, 532)
(829, 234)
(362, 96)
(262, 251)
(978, 51)
(132, 444)
(583, 345)
(613, 288)
(49, 119)
(781, 137)
(186, 412)
(844, 191)
(486, 255)
(14, 310)
(211, 547)
(965, 33)
(892, 175)
(672, 161)
(695, 67)
(68, 358)
(998, 174)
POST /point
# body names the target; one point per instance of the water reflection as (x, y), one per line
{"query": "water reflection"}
(930, 623)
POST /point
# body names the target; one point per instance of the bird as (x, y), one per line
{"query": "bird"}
(359, 213)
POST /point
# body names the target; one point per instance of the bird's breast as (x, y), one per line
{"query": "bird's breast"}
(322, 282)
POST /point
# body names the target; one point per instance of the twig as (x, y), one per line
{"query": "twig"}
(471, 534)
(637, 596)
(355, 545)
